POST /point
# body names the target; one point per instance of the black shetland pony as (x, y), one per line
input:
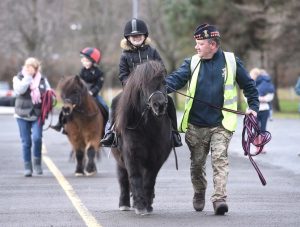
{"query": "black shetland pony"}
(144, 135)
(84, 123)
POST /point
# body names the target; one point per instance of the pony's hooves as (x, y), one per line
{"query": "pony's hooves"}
(150, 209)
(141, 212)
(91, 173)
(79, 174)
(124, 208)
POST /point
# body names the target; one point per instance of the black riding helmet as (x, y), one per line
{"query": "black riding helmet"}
(135, 27)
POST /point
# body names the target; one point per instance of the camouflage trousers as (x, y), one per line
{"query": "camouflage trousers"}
(200, 141)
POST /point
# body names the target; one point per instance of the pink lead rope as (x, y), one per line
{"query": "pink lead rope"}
(48, 102)
(251, 133)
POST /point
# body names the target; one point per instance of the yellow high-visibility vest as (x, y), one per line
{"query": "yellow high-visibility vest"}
(230, 92)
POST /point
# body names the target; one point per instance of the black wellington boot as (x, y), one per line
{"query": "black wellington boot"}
(108, 139)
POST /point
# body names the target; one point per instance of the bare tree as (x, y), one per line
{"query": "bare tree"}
(164, 30)
(56, 30)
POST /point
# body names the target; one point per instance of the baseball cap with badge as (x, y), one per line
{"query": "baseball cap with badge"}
(206, 31)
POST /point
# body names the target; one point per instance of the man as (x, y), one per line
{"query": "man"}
(212, 76)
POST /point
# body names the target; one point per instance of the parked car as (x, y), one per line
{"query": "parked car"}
(7, 95)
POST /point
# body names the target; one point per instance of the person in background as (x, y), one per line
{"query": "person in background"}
(136, 50)
(94, 79)
(30, 85)
(266, 94)
(297, 90)
(264, 73)
(213, 76)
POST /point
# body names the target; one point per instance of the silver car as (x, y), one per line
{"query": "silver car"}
(7, 95)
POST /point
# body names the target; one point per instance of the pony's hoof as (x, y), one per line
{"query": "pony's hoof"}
(89, 174)
(124, 208)
(141, 212)
(150, 209)
(79, 174)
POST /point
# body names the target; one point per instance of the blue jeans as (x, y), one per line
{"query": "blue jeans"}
(102, 102)
(262, 118)
(30, 132)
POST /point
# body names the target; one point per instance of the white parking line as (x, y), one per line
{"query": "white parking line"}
(87, 217)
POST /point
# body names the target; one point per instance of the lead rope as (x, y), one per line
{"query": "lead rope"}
(251, 133)
(175, 154)
(48, 102)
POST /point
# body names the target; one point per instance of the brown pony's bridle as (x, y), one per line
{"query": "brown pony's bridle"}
(70, 100)
(77, 106)
(251, 131)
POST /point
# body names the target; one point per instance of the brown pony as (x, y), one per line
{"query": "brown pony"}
(84, 123)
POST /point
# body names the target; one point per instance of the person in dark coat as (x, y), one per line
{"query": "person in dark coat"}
(266, 91)
(136, 50)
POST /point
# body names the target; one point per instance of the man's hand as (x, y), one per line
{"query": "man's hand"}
(249, 111)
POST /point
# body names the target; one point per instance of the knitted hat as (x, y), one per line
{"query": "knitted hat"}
(206, 31)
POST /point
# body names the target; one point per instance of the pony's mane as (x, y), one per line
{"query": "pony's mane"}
(69, 83)
(146, 76)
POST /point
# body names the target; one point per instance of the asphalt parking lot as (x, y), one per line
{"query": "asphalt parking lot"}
(43, 201)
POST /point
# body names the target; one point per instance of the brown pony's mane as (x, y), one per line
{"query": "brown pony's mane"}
(71, 83)
(145, 79)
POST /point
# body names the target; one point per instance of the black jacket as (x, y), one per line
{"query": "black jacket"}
(94, 78)
(132, 56)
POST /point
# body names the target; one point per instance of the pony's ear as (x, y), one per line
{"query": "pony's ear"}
(59, 84)
(79, 81)
(77, 78)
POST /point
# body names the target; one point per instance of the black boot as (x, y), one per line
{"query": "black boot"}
(108, 139)
(176, 139)
(199, 200)
(220, 207)
(59, 124)
(57, 127)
